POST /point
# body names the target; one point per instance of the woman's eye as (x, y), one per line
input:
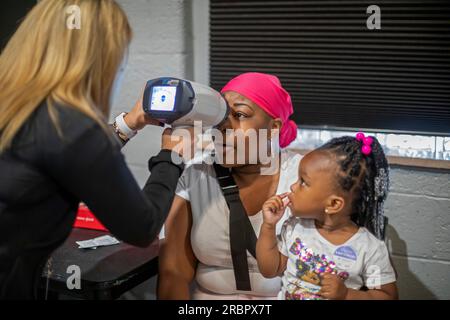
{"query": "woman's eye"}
(240, 115)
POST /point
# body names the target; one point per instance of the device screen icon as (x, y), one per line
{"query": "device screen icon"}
(163, 98)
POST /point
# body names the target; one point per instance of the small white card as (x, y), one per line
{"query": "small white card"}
(102, 241)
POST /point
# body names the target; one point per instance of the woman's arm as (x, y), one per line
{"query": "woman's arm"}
(271, 262)
(89, 167)
(177, 263)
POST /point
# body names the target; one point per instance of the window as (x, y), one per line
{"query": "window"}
(399, 145)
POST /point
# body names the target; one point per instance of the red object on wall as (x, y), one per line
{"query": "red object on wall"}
(87, 220)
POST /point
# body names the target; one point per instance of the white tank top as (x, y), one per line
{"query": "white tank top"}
(210, 228)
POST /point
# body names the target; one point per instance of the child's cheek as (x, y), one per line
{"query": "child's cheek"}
(296, 207)
(302, 207)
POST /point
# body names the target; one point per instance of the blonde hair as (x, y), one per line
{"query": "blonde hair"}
(45, 60)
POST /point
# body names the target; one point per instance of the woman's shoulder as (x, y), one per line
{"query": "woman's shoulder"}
(290, 160)
(57, 120)
(53, 126)
(200, 167)
(291, 153)
(70, 119)
(71, 124)
(60, 128)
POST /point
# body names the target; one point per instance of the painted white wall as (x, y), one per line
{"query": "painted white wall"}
(160, 47)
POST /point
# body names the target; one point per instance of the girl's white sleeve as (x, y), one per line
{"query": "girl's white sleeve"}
(378, 269)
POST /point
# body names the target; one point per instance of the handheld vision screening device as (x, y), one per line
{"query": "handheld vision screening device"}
(180, 102)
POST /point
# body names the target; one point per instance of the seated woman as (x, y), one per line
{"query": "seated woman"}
(197, 242)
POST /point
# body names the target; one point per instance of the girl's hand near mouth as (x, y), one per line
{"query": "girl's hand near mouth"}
(274, 208)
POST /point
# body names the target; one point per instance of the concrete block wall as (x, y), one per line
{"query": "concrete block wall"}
(418, 206)
(418, 235)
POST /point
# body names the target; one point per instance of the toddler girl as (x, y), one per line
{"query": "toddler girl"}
(332, 245)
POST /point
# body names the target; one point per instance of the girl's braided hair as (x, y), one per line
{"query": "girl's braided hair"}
(366, 177)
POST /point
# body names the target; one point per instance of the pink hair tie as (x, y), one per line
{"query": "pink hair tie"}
(366, 148)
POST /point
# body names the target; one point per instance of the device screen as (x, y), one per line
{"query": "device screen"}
(163, 98)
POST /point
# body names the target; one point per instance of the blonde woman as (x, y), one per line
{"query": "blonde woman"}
(56, 148)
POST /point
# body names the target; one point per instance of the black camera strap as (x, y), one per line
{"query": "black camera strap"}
(242, 234)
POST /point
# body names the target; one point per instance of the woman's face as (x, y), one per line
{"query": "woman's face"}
(247, 119)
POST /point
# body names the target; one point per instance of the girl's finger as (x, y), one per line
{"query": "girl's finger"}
(271, 206)
(270, 201)
(274, 201)
(286, 202)
(274, 198)
(326, 288)
(279, 202)
(283, 195)
(323, 293)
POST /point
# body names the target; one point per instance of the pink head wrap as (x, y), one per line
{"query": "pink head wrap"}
(266, 91)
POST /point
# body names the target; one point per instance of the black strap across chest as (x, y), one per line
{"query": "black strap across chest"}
(242, 235)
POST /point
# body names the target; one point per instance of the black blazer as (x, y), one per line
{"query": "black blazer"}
(44, 176)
